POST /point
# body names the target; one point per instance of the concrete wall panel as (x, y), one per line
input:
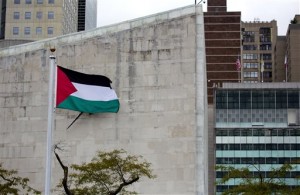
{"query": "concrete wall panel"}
(152, 64)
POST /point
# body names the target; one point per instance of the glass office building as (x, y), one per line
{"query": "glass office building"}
(257, 124)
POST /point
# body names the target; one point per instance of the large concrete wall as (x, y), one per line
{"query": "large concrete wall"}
(157, 67)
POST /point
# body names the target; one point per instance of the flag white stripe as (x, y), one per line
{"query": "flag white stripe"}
(94, 93)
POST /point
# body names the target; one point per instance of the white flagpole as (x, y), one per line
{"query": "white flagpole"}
(50, 121)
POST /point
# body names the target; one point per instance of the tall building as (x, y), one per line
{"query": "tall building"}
(31, 20)
(293, 50)
(223, 44)
(257, 124)
(2, 17)
(87, 14)
(258, 51)
(39, 19)
(279, 66)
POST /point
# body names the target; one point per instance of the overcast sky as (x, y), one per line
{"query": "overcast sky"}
(115, 11)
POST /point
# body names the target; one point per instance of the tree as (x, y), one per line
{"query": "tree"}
(109, 173)
(257, 184)
(294, 21)
(10, 183)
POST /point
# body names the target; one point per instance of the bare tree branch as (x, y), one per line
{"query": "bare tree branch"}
(66, 172)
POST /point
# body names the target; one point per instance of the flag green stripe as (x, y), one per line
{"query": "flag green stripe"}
(81, 105)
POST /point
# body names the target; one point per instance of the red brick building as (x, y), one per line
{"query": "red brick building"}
(223, 44)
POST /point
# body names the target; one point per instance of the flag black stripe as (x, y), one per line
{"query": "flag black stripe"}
(88, 79)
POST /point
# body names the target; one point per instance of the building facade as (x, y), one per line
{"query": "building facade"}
(258, 51)
(157, 68)
(280, 53)
(223, 44)
(31, 20)
(87, 14)
(292, 51)
(39, 19)
(257, 124)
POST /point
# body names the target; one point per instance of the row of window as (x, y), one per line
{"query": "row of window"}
(254, 65)
(265, 39)
(266, 47)
(39, 15)
(250, 75)
(254, 99)
(258, 160)
(257, 132)
(257, 147)
(261, 47)
(30, 1)
(266, 74)
(251, 56)
(264, 174)
(38, 30)
(222, 188)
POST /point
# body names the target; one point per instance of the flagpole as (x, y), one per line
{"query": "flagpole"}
(50, 121)
(286, 73)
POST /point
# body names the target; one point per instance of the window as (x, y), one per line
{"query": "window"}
(257, 99)
(39, 15)
(15, 30)
(251, 65)
(221, 99)
(28, 1)
(50, 1)
(268, 65)
(39, 1)
(38, 30)
(245, 99)
(267, 74)
(249, 56)
(16, 15)
(269, 99)
(248, 36)
(266, 47)
(266, 56)
(51, 15)
(50, 30)
(250, 74)
(293, 99)
(17, 1)
(233, 99)
(27, 30)
(27, 15)
(281, 99)
(249, 47)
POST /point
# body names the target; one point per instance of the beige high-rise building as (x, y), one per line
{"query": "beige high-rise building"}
(258, 51)
(38, 19)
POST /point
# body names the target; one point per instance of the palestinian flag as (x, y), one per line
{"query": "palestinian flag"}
(85, 92)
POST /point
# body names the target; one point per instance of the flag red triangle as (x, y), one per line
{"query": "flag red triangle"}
(64, 87)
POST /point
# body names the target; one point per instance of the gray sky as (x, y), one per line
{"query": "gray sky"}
(115, 11)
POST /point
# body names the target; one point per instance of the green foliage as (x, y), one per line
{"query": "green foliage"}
(294, 21)
(109, 173)
(10, 183)
(256, 184)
